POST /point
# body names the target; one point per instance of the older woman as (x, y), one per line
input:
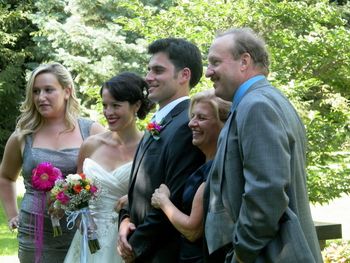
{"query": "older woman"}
(207, 116)
(48, 130)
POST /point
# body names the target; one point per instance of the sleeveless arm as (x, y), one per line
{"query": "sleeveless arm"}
(9, 170)
(89, 127)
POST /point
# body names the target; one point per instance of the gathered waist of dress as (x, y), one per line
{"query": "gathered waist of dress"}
(35, 202)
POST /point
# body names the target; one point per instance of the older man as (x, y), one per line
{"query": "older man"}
(258, 200)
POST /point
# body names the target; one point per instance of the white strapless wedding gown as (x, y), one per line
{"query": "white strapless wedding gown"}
(113, 185)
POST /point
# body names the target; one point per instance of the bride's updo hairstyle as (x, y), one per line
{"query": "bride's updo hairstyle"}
(128, 86)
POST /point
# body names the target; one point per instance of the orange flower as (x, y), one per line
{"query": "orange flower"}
(82, 175)
(77, 188)
(150, 126)
(87, 187)
(154, 129)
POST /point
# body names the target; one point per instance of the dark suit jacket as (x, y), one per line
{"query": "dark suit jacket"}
(258, 196)
(169, 160)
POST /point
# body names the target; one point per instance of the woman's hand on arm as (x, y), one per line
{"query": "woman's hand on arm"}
(160, 196)
(189, 226)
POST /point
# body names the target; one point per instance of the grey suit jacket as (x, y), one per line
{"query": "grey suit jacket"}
(257, 183)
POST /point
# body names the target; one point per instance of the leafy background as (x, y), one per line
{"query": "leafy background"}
(308, 42)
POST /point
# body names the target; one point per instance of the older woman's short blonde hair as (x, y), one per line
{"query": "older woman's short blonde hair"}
(30, 120)
(220, 107)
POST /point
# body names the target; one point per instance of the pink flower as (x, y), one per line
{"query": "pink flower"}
(154, 129)
(93, 189)
(62, 197)
(73, 192)
(44, 176)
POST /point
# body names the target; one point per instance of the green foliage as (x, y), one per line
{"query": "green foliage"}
(16, 50)
(310, 61)
(308, 42)
(337, 251)
(85, 39)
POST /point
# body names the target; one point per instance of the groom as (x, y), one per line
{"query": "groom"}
(145, 234)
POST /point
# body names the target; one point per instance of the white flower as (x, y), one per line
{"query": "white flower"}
(73, 178)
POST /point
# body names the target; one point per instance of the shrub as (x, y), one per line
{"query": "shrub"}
(337, 251)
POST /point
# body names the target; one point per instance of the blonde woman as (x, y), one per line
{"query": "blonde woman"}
(208, 114)
(48, 130)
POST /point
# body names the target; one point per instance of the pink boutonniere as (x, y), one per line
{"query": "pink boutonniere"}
(154, 129)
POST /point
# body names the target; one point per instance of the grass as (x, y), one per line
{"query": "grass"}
(8, 239)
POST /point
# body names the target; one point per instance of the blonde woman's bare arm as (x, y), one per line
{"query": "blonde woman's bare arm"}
(9, 171)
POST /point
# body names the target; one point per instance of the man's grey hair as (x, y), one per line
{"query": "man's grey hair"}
(247, 41)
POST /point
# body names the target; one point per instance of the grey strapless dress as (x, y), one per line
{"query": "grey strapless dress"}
(54, 248)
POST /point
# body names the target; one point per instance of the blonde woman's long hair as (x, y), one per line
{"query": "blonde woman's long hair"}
(30, 120)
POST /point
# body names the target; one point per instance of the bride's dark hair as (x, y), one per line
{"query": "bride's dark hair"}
(128, 86)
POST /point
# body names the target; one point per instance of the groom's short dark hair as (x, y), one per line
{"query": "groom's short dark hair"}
(182, 53)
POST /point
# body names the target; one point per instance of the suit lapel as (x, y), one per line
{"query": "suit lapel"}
(147, 139)
(221, 152)
(224, 138)
(141, 150)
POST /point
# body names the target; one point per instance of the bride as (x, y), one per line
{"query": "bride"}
(107, 158)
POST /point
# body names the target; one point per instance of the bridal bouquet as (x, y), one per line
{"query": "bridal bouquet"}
(72, 195)
(43, 180)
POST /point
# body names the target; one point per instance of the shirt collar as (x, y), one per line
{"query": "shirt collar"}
(242, 89)
(160, 114)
